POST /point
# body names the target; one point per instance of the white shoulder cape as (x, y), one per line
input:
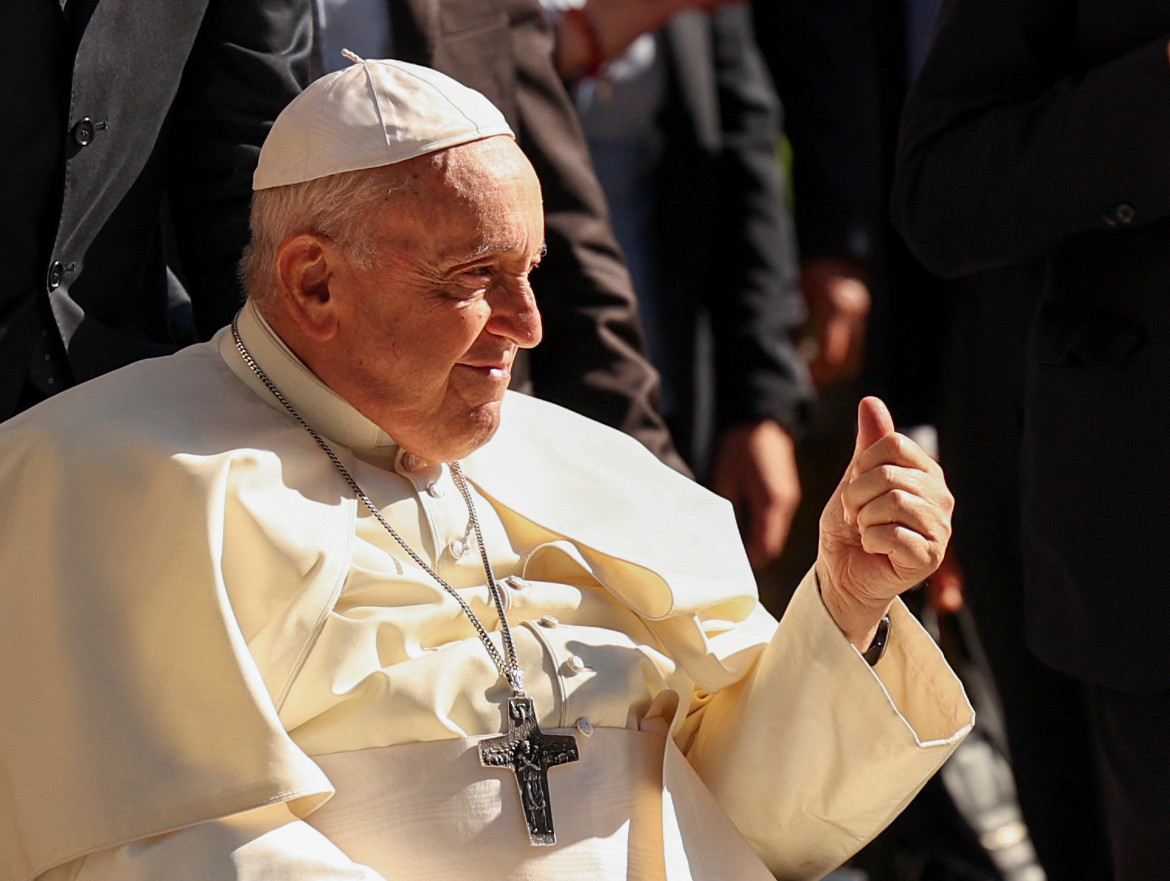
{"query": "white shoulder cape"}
(163, 522)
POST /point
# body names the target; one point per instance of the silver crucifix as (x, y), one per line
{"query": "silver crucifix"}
(529, 753)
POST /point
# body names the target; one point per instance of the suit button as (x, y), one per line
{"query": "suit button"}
(1121, 214)
(56, 274)
(83, 132)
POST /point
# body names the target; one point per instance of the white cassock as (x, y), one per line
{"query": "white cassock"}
(217, 664)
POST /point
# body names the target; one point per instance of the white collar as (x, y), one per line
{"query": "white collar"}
(321, 407)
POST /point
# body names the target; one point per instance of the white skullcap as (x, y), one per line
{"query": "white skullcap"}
(370, 114)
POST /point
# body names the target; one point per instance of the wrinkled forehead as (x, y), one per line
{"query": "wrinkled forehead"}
(472, 200)
(492, 162)
(493, 170)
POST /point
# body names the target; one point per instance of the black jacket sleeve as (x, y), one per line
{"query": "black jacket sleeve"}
(248, 61)
(1014, 139)
(753, 299)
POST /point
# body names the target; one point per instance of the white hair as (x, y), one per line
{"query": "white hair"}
(339, 207)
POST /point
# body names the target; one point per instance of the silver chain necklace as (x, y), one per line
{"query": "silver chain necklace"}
(524, 748)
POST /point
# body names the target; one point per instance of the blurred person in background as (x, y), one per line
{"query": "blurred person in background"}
(131, 133)
(682, 122)
(1033, 137)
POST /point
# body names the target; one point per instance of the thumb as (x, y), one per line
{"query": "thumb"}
(873, 423)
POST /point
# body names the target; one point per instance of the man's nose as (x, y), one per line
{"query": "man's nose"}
(515, 315)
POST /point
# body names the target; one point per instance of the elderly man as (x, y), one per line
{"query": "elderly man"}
(319, 599)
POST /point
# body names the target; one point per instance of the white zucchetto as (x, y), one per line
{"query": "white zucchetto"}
(373, 113)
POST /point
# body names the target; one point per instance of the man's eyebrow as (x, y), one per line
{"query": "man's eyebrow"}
(488, 249)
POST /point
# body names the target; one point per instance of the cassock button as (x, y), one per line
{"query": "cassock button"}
(412, 463)
(585, 726)
(575, 664)
(549, 621)
(517, 583)
(457, 548)
(435, 490)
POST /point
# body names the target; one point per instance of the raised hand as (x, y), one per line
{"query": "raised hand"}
(885, 528)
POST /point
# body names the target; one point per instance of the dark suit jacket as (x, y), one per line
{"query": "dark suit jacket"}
(1036, 129)
(593, 357)
(726, 252)
(125, 110)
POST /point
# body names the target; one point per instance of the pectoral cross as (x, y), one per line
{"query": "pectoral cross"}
(529, 753)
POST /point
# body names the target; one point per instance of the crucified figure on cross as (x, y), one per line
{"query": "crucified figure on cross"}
(529, 753)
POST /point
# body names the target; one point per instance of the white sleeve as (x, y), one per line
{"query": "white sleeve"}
(266, 844)
(814, 752)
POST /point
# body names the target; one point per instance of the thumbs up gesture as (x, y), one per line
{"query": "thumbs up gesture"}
(885, 528)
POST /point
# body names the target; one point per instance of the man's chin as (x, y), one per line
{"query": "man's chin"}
(453, 442)
(482, 435)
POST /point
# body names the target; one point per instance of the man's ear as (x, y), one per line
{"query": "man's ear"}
(306, 267)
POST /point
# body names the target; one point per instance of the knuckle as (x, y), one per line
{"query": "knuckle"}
(902, 500)
(903, 446)
(869, 540)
